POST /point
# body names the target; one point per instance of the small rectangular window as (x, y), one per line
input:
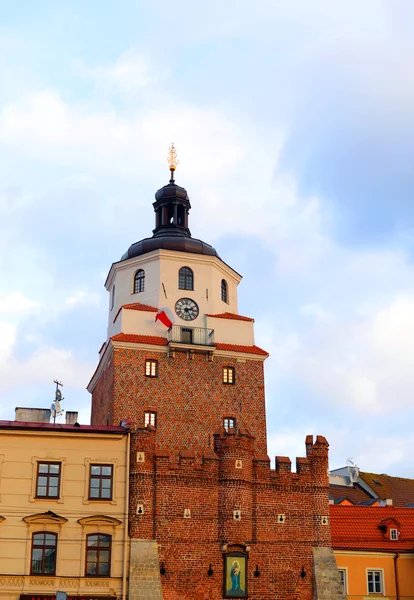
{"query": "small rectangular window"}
(342, 576)
(229, 423)
(393, 534)
(48, 480)
(375, 584)
(151, 368)
(100, 482)
(150, 418)
(229, 375)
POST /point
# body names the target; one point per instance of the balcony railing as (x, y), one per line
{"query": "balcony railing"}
(199, 336)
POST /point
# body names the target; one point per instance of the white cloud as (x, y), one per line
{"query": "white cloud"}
(82, 298)
(41, 367)
(363, 363)
(14, 303)
(131, 72)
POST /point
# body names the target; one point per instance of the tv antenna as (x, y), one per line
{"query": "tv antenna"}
(55, 407)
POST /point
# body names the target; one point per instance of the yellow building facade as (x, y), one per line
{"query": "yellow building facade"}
(63, 511)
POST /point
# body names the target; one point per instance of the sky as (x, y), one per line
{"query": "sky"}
(294, 125)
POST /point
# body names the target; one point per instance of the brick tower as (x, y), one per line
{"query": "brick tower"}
(208, 517)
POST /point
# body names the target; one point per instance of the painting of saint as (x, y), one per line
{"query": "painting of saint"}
(235, 583)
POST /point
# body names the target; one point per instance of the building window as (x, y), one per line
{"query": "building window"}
(113, 297)
(151, 368)
(229, 423)
(375, 584)
(229, 375)
(224, 291)
(185, 279)
(98, 555)
(342, 577)
(100, 482)
(139, 281)
(150, 418)
(43, 553)
(48, 480)
(394, 534)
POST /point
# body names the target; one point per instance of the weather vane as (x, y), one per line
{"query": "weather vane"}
(172, 161)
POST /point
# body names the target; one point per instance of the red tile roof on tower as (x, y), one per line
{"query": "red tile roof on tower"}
(161, 341)
(154, 340)
(229, 315)
(139, 306)
(136, 306)
(245, 349)
(358, 528)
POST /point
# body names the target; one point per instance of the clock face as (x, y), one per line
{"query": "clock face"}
(186, 309)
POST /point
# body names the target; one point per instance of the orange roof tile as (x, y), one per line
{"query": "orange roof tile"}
(139, 306)
(229, 315)
(357, 528)
(245, 349)
(154, 340)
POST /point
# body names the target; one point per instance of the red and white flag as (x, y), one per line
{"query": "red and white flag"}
(165, 316)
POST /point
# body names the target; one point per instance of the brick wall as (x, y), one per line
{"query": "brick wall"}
(188, 395)
(102, 410)
(211, 488)
(189, 463)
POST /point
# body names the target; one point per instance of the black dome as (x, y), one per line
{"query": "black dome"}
(179, 243)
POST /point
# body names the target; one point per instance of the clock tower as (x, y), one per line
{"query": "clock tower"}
(208, 517)
(178, 355)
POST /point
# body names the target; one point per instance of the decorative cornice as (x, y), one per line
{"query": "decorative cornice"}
(100, 520)
(46, 517)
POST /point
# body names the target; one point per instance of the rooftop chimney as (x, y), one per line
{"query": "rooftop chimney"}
(71, 417)
(32, 415)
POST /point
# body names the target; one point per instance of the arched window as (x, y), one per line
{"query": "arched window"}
(44, 546)
(139, 281)
(185, 279)
(224, 291)
(98, 555)
(113, 297)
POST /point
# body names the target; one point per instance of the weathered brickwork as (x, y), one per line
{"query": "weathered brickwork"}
(188, 396)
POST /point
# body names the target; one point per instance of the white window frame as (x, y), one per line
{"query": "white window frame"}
(150, 418)
(344, 570)
(229, 423)
(382, 582)
(394, 534)
(229, 375)
(151, 367)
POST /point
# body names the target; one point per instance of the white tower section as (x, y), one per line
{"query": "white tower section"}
(161, 289)
(202, 304)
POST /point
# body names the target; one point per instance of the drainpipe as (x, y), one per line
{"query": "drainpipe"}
(397, 583)
(126, 510)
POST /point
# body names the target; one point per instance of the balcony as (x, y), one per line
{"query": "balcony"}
(190, 336)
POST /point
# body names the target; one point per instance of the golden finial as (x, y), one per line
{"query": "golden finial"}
(172, 158)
